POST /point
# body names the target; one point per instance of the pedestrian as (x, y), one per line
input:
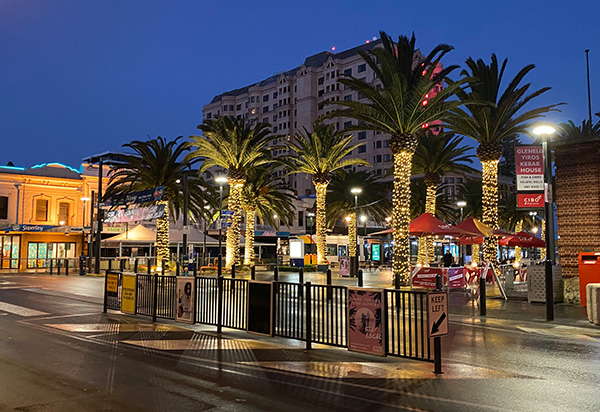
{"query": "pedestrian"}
(448, 259)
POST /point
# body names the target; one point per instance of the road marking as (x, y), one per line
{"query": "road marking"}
(201, 344)
(20, 310)
(114, 327)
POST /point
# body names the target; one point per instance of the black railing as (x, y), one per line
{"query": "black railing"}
(329, 309)
(406, 324)
(313, 313)
(289, 310)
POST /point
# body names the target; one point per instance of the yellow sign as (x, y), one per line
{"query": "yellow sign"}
(112, 283)
(128, 293)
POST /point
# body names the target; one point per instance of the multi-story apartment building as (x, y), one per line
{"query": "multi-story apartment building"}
(43, 212)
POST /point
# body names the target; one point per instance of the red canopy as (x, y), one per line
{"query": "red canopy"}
(427, 224)
(475, 226)
(522, 239)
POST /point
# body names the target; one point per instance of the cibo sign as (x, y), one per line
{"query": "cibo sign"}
(530, 200)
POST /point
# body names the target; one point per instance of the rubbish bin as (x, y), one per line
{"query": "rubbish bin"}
(589, 272)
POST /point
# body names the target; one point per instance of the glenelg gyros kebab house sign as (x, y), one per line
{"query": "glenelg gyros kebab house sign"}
(529, 162)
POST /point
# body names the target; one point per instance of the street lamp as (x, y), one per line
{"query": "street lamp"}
(221, 180)
(84, 200)
(461, 204)
(277, 242)
(354, 259)
(545, 133)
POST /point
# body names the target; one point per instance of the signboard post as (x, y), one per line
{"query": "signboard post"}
(260, 308)
(365, 311)
(437, 324)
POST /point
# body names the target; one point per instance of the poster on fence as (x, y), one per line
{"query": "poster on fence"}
(365, 331)
(344, 266)
(128, 283)
(184, 299)
(425, 277)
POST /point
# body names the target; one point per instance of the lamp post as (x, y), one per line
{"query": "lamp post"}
(354, 259)
(544, 133)
(221, 180)
(84, 200)
(461, 204)
(363, 219)
(186, 229)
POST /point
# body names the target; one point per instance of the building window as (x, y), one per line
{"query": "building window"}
(265, 109)
(3, 207)
(266, 98)
(387, 157)
(252, 99)
(208, 115)
(378, 172)
(378, 145)
(348, 98)
(362, 149)
(321, 80)
(386, 143)
(449, 180)
(63, 213)
(275, 95)
(347, 125)
(362, 135)
(41, 210)
(238, 107)
(348, 72)
(362, 68)
(361, 96)
(378, 160)
(301, 218)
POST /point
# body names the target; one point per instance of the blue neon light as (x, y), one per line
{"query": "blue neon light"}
(12, 167)
(58, 164)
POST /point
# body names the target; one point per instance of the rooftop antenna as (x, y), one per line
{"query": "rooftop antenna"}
(587, 60)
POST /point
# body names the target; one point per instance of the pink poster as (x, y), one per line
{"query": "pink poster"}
(425, 277)
(365, 332)
(456, 277)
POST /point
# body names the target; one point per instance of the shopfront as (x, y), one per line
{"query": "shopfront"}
(9, 258)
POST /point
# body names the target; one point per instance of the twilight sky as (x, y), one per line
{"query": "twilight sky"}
(79, 77)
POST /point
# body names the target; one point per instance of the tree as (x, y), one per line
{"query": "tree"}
(570, 131)
(488, 116)
(405, 97)
(418, 197)
(233, 145)
(157, 162)
(320, 154)
(471, 192)
(437, 155)
(372, 200)
(264, 195)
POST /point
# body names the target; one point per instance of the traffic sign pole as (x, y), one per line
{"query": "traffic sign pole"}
(437, 321)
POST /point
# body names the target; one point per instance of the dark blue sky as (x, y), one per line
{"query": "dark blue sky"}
(78, 77)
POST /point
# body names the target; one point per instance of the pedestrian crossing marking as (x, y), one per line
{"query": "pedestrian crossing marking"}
(201, 344)
(114, 327)
(20, 310)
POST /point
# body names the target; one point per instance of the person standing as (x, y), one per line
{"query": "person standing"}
(448, 259)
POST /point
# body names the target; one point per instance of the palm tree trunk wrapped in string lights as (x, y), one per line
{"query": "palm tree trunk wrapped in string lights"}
(518, 253)
(321, 189)
(352, 239)
(249, 245)
(162, 236)
(490, 156)
(234, 204)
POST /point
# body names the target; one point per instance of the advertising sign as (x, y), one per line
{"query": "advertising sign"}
(456, 277)
(529, 162)
(184, 304)
(425, 276)
(144, 196)
(376, 251)
(365, 332)
(128, 293)
(134, 215)
(530, 200)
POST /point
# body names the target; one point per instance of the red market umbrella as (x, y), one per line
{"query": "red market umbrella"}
(470, 240)
(475, 226)
(427, 224)
(522, 239)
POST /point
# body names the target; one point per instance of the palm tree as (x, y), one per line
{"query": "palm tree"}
(435, 156)
(471, 192)
(157, 162)
(264, 195)
(372, 200)
(489, 115)
(514, 219)
(400, 102)
(320, 154)
(237, 147)
(570, 131)
(444, 208)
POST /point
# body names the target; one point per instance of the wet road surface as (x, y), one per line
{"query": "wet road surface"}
(58, 352)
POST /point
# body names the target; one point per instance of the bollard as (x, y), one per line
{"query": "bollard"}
(233, 271)
(329, 290)
(155, 298)
(438, 282)
(360, 278)
(164, 267)
(177, 268)
(58, 267)
(66, 267)
(482, 301)
(51, 265)
(149, 265)
(219, 301)
(308, 317)
(253, 273)
(220, 266)
(135, 265)
(109, 264)
(122, 265)
(195, 264)
(301, 275)
(276, 274)
(105, 306)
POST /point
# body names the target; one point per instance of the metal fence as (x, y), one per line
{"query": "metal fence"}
(313, 313)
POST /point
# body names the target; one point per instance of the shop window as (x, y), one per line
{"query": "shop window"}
(63, 213)
(41, 210)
